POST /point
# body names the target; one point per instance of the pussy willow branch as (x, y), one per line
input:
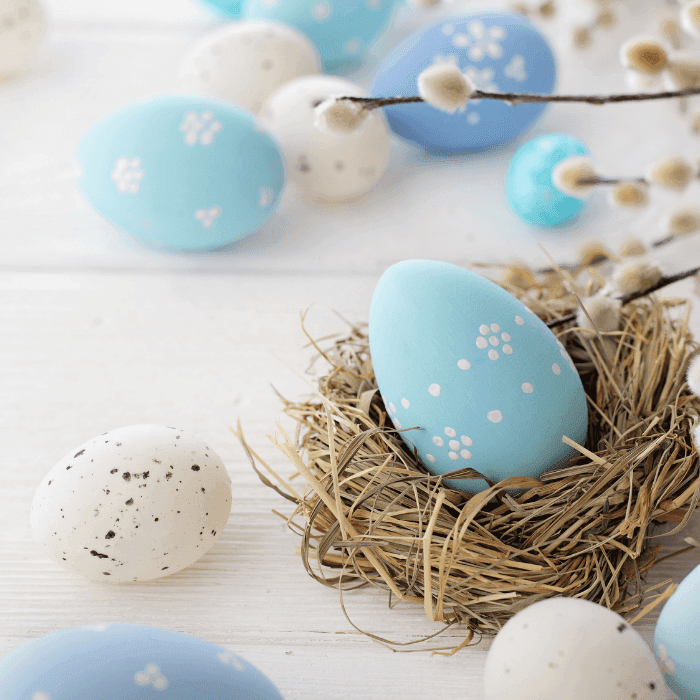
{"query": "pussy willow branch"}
(515, 98)
(627, 298)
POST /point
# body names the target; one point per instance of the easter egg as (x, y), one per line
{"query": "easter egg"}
(325, 167)
(566, 648)
(135, 504)
(486, 383)
(230, 8)
(529, 187)
(245, 62)
(342, 30)
(182, 171)
(120, 662)
(499, 52)
(677, 638)
(22, 28)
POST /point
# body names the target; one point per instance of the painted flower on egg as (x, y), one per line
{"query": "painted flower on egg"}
(484, 380)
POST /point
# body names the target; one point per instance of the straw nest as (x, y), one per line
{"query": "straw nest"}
(370, 513)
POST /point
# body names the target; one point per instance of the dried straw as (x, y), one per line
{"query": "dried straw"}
(371, 514)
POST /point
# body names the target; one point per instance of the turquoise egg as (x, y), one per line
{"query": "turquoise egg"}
(231, 8)
(529, 187)
(182, 171)
(677, 638)
(500, 52)
(120, 662)
(342, 30)
(484, 380)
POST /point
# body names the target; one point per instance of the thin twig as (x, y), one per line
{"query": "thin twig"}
(515, 98)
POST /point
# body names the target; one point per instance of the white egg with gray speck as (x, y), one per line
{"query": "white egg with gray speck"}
(570, 649)
(134, 504)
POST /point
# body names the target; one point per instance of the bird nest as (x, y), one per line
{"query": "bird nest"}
(370, 513)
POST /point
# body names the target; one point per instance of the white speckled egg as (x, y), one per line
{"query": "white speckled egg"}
(325, 167)
(134, 504)
(570, 649)
(22, 27)
(245, 62)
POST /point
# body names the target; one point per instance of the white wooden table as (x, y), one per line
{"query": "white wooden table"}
(98, 332)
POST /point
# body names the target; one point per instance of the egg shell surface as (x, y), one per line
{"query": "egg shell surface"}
(135, 504)
(342, 30)
(566, 648)
(230, 8)
(677, 638)
(128, 662)
(529, 187)
(500, 52)
(22, 28)
(182, 171)
(245, 62)
(488, 384)
(325, 167)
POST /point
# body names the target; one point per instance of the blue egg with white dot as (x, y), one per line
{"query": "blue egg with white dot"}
(677, 638)
(499, 52)
(484, 380)
(342, 30)
(230, 8)
(182, 171)
(120, 662)
(529, 187)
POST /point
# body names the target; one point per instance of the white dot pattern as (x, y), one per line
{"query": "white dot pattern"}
(495, 416)
(493, 354)
(454, 445)
(41, 695)
(481, 342)
(484, 329)
(392, 408)
(505, 337)
(464, 364)
(230, 659)
(151, 675)
(466, 454)
(405, 403)
(507, 349)
(430, 457)
(528, 388)
(495, 328)
(450, 432)
(438, 441)
(397, 424)
(494, 341)
(519, 320)
(453, 456)
(556, 369)
(466, 440)
(434, 390)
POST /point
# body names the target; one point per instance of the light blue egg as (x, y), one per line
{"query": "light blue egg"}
(485, 380)
(120, 662)
(182, 171)
(677, 638)
(342, 30)
(231, 8)
(500, 52)
(529, 187)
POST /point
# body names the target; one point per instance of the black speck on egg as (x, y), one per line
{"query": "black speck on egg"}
(146, 475)
(67, 468)
(77, 454)
(621, 627)
(109, 535)
(130, 502)
(126, 476)
(195, 467)
(113, 471)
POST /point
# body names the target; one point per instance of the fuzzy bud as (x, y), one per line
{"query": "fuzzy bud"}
(338, 117)
(675, 173)
(636, 276)
(690, 18)
(671, 30)
(444, 86)
(603, 315)
(644, 55)
(632, 247)
(593, 253)
(681, 74)
(693, 375)
(629, 195)
(682, 221)
(570, 175)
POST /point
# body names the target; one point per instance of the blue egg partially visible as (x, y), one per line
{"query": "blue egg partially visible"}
(485, 380)
(342, 30)
(120, 662)
(182, 171)
(677, 638)
(230, 8)
(500, 52)
(529, 187)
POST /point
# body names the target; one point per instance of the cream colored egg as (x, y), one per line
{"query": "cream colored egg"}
(245, 62)
(325, 167)
(135, 504)
(22, 26)
(570, 649)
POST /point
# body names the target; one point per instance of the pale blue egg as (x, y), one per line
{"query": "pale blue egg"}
(342, 30)
(120, 662)
(529, 187)
(677, 638)
(486, 382)
(500, 52)
(182, 171)
(231, 8)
